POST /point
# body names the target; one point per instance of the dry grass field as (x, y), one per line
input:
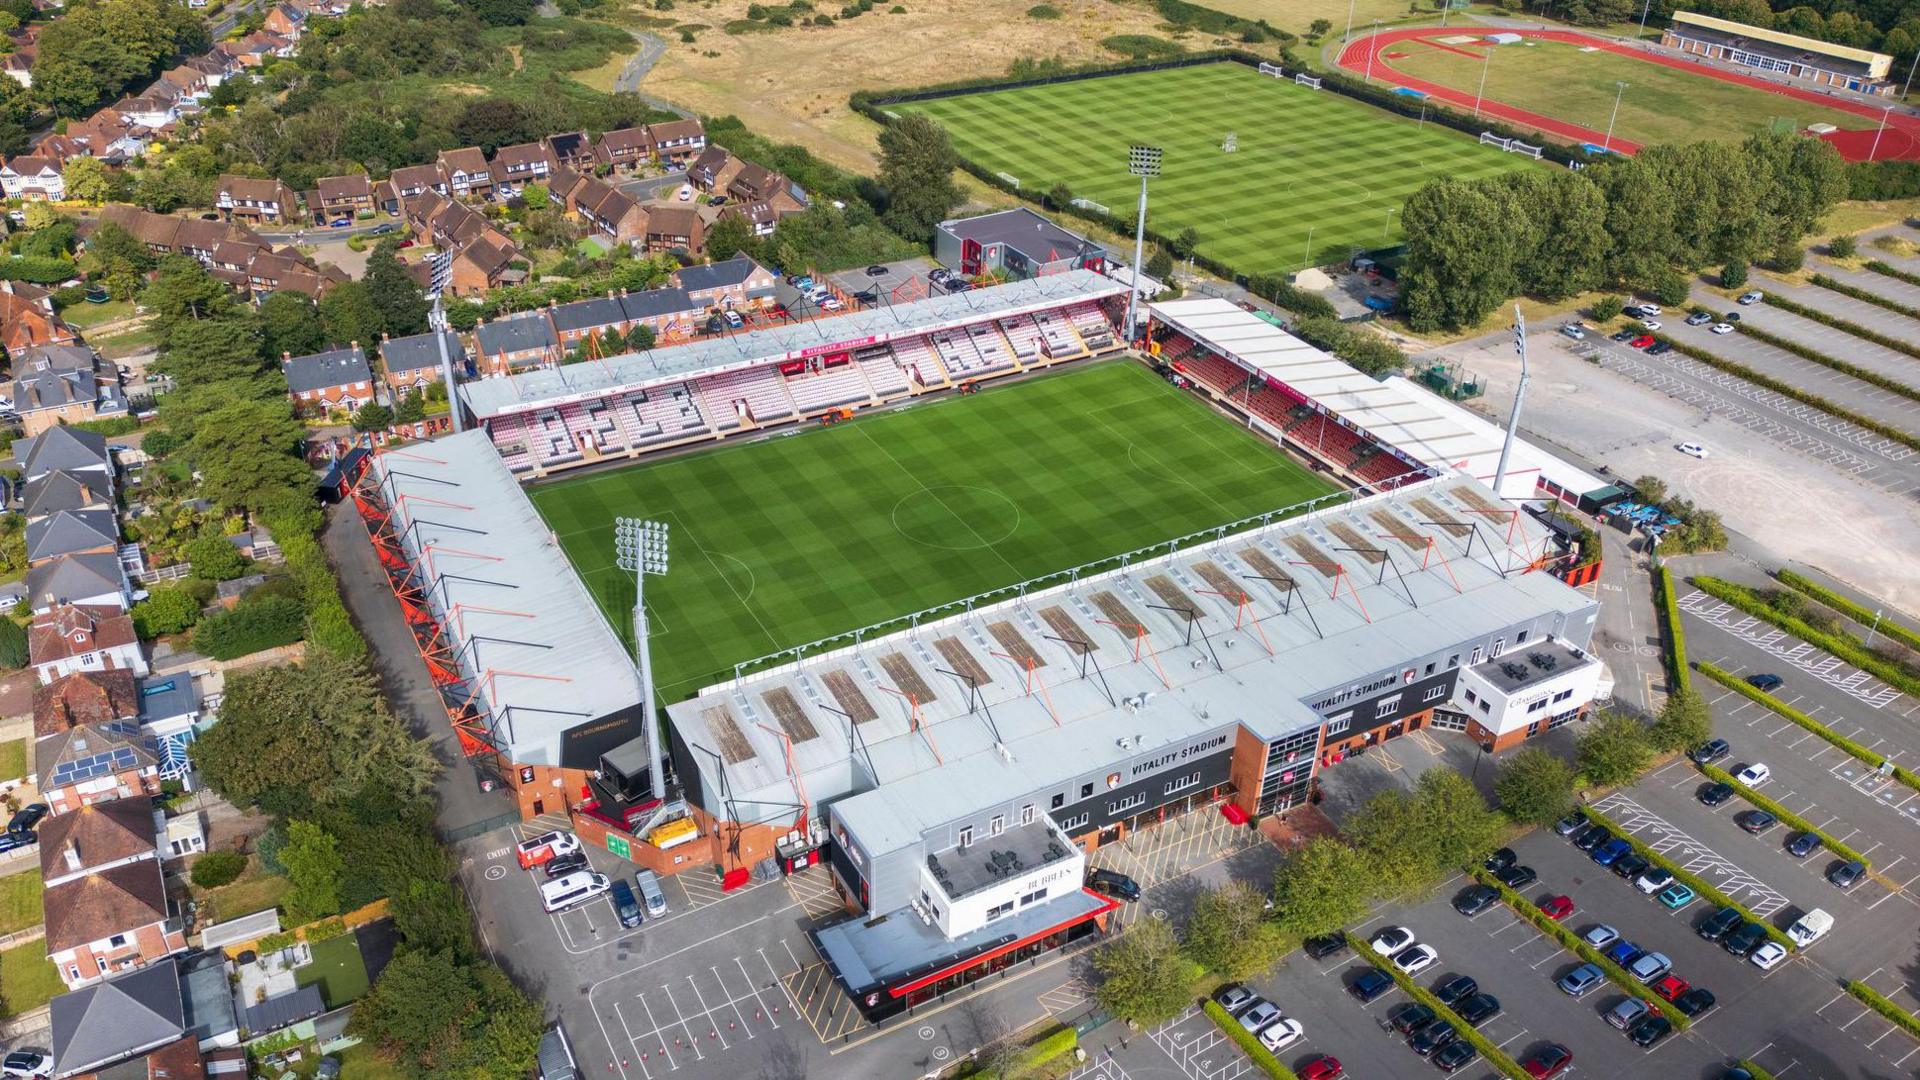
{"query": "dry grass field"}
(792, 84)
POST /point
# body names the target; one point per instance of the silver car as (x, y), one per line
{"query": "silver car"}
(1262, 1013)
(1627, 1013)
(1650, 967)
(1581, 980)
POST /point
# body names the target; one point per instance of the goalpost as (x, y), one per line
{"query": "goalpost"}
(1273, 70)
(1519, 147)
(1311, 82)
(1488, 138)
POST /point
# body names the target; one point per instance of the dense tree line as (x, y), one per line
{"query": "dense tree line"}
(1633, 224)
(99, 49)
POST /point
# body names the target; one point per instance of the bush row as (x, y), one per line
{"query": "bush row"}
(1781, 812)
(1676, 637)
(1845, 326)
(1893, 272)
(1255, 1050)
(1687, 877)
(1753, 693)
(1758, 1072)
(1879, 1003)
(1495, 1056)
(1874, 298)
(1839, 645)
(1786, 389)
(250, 627)
(328, 624)
(1033, 1058)
(1848, 607)
(1578, 946)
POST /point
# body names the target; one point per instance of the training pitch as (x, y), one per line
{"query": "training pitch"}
(1315, 177)
(787, 540)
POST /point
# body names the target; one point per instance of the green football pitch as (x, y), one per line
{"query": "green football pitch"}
(787, 540)
(1315, 176)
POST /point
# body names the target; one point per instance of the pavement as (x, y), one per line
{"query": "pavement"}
(655, 188)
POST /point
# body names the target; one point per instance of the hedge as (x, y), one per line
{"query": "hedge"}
(1879, 1003)
(1758, 1072)
(1255, 1050)
(1861, 332)
(1844, 289)
(1786, 389)
(1033, 1057)
(1843, 647)
(328, 625)
(1577, 945)
(1893, 272)
(1676, 637)
(251, 627)
(1848, 607)
(217, 868)
(1495, 1056)
(1753, 693)
(1781, 812)
(1688, 877)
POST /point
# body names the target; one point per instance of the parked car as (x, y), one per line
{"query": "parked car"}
(685, 193)
(1699, 318)
(1765, 681)
(384, 228)
(1608, 852)
(1749, 298)
(1847, 874)
(1600, 935)
(1671, 986)
(1548, 1061)
(1319, 948)
(626, 906)
(1370, 984)
(876, 270)
(1557, 908)
(1630, 865)
(1710, 751)
(1622, 952)
(1415, 959)
(1280, 1034)
(1627, 1013)
(539, 849)
(1659, 348)
(1694, 1001)
(1743, 941)
(1693, 450)
(1433, 1036)
(1390, 939)
(1723, 328)
(1650, 325)
(26, 1063)
(1592, 837)
(1455, 989)
(1755, 821)
(1622, 336)
(1570, 824)
(1258, 1015)
(1714, 794)
(1411, 1017)
(1731, 316)
(1475, 899)
(1675, 896)
(13, 840)
(1719, 924)
(1114, 884)
(1650, 967)
(1803, 844)
(1650, 1030)
(1581, 980)
(1233, 997)
(1323, 1067)
(1518, 877)
(25, 818)
(1754, 774)
(1454, 1056)
(1641, 341)
(1768, 955)
(1648, 311)
(1501, 859)
(1574, 331)
(566, 864)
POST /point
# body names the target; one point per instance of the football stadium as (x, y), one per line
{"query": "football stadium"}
(970, 587)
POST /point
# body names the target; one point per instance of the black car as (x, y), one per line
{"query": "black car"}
(866, 296)
(1714, 794)
(12, 840)
(1694, 1001)
(1411, 1017)
(876, 270)
(27, 817)
(1719, 924)
(1755, 821)
(1591, 837)
(1763, 681)
(1518, 877)
(567, 864)
(1803, 844)
(1650, 1030)
(1743, 941)
(1454, 1055)
(1479, 1009)
(384, 228)
(1847, 874)
(1114, 884)
(1455, 989)
(1320, 948)
(1710, 751)
(1475, 899)
(1659, 348)
(1570, 824)
(1501, 859)
(1369, 984)
(1433, 1036)
(1624, 335)
(1630, 865)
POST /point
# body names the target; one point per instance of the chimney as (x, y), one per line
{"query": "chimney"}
(71, 853)
(385, 337)
(285, 356)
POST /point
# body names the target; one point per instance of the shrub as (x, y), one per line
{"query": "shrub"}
(1893, 272)
(217, 868)
(1846, 606)
(1043, 11)
(1675, 637)
(1248, 1043)
(1733, 275)
(1879, 1003)
(1787, 257)
(1841, 645)
(273, 943)
(1613, 750)
(250, 627)
(1671, 288)
(1842, 247)
(1786, 389)
(215, 559)
(1865, 296)
(1140, 46)
(1608, 307)
(167, 610)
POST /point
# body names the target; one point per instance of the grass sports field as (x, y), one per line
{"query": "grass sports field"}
(788, 540)
(1308, 161)
(1660, 105)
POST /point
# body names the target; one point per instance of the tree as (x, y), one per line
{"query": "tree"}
(1144, 976)
(491, 123)
(1229, 932)
(290, 325)
(13, 645)
(1322, 887)
(1535, 787)
(411, 410)
(214, 559)
(1608, 307)
(1613, 749)
(228, 349)
(1683, 722)
(1842, 247)
(1458, 826)
(1787, 256)
(418, 1008)
(349, 315)
(246, 451)
(165, 611)
(1160, 265)
(916, 171)
(1186, 242)
(640, 338)
(729, 236)
(1318, 28)
(1652, 489)
(1059, 196)
(501, 12)
(1670, 287)
(396, 296)
(217, 868)
(183, 291)
(372, 416)
(312, 859)
(111, 246)
(537, 197)
(86, 180)
(1461, 253)
(1734, 274)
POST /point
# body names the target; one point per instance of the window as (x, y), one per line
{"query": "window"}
(1472, 697)
(1562, 695)
(1192, 779)
(966, 836)
(1121, 806)
(999, 911)
(1484, 709)
(1453, 661)
(1475, 658)
(1536, 706)
(1429, 670)
(1339, 724)
(1499, 646)
(998, 825)
(116, 941)
(1434, 693)
(1078, 821)
(1026, 814)
(1521, 637)
(1086, 791)
(1059, 800)
(1387, 706)
(1033, 897)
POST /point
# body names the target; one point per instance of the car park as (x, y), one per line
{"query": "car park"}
(1650, 966)
(1475, 899)
(1622, 952)
(1390, 939)
(1606, 853)
(1501, 859)
(1114, 884)
(1479, 1009)
(1743, 941)
(1699, 318)
(1847, 874)
(1694, 1001)
(1369, 984)
(1764, 681)
(1258, 1015)
(1455, 989)
(1650, 1030)
(1630, 865)
(1693, 450)
(1714, 794)
(1710, 751)
(1755, 821)
(1627, 1013)
(1557, 908)
(1600, 935)
(1432, 1036)
(1411, 1017)
(1723, 328)
(1280, 1034)
(1749, 298)
(1581, 980)
(1321, 1068)
(1233, 997)
(1803, 844)
(1754, 774)
(1454, 1056)
(1570, 824)
(1768, 955)
(1415, 959)
(1675, 895)
(1671, 986)
(1719, 924)
(1319, 948)
(1518, 877)
(1548, 1061)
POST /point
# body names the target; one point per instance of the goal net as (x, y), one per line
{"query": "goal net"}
(1273, 70)
(1311, 82)
(1488, 138)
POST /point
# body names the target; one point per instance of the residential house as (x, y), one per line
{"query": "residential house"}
(111, 921)
(99, 836)
(600, 317)
(286, 20)
(572, 150)
(63, 449)
(78, 579)
(27, 318)
(256, 200)
(64, 384)
(671, 312)
(33, 178)
(71, 532)
(18, 67)
(516, 342)
(714, 169)
(88, 743)
(480, 265)
(677, 142)
(416, 180)
(761, 217)
(737, 282)
(335, 379)
(170, 712)
(514, 167)
(625, 150)
(152, 111)
(467, 172)
(286, 269)
(607, 210)
(411, 364)
(118, 1019)
(346, 196)
(256, 48)
(62, 490)
(74, 638)
(676, 228)
(757, 183)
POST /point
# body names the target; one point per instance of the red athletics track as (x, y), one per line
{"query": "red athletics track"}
(1900, 140)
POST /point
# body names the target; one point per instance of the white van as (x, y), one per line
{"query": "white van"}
(1810, 928)
(570, 890)
(650, 893)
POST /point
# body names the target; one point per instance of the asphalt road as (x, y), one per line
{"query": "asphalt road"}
(1841, 306)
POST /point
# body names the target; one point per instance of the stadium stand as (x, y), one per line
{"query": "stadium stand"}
(917, 357)
(826, 387)
(882, 371)
(1024, 336)
(758, 388)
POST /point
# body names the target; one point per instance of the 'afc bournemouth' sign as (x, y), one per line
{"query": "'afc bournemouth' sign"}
(1214, 742)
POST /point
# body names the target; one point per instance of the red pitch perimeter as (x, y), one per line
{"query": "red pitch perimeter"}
(1900, 140)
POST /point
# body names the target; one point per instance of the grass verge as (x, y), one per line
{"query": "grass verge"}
(1786, 389)
(1758, 1072)
(1688, 877)
(1894, 272)
(1751, 795)
(1676, 637)
(1842, 646)
(1862, 295)
(1574, 944)
(1878, 1002)
(13, 758)
(1256, 1051)
(1493, 1054)
(28, 979)
(21, 904)
(1846, 326)
(1845, 606)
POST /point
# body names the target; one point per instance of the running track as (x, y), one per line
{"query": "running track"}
(1901, 139)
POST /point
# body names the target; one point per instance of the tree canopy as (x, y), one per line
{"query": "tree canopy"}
(916, 170)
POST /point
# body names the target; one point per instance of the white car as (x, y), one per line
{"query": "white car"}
(1390, 940)
(1415, 959)
(1648, 311)
(1754, 775)
(1280, 1034)
(1750, 298)
(1655, 879)
(1768, 956)
(1723, 328)
(686, 192)
(1693, 449)
(1574, 331)
(1650, 325)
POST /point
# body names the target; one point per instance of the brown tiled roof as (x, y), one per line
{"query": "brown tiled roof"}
(52, 636)
(467, 159)
(520, 154)
(85, 697)
(626, 140)
(29, 164)
(423, 176)
(676, 129)
(248, 187)
(487, 257)
(673, 221)
(101, 833)
(97, 906)
(352, 186)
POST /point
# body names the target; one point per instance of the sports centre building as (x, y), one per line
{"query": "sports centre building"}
(955, 768)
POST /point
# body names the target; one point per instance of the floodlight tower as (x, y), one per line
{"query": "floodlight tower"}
(1143, 162)
(640, 548)
(437, 322)
(1519, 395)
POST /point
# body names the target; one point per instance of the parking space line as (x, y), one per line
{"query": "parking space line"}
(659, 1032)
(631, 1041)
(764, 1012)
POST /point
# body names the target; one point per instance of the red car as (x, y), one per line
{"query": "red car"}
(1672, 986)
(1322, 1068)
(1642, 341)
(1557, 907)
(1548, 1061)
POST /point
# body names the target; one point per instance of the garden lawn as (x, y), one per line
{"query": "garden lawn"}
(20, 902)
(338, 969)
(786, 541)
(28, 979)
(13, 759)
(1315, 177)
